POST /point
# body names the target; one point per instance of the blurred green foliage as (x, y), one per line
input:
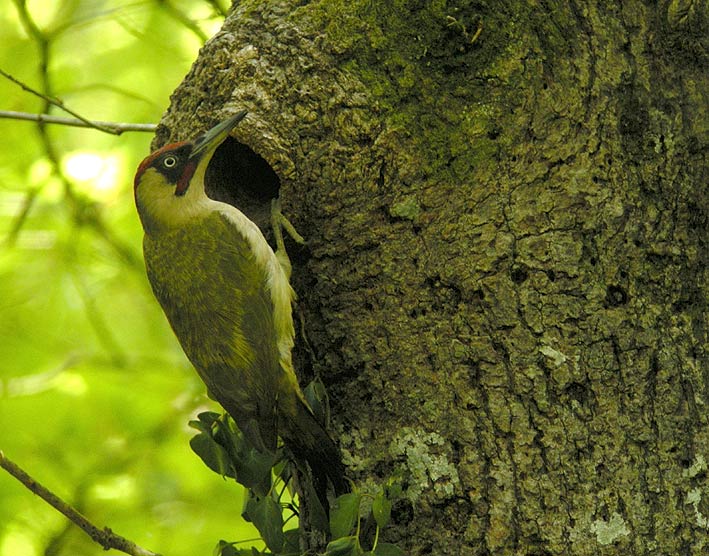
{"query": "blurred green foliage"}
(95, 394)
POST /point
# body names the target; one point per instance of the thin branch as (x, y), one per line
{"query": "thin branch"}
(76, 203)
(105, 537)
(98, 323)
(42, 45)
(116, 128)
(218, 8)
(20, 219)
(184, 19)
(95, 222)
(80, 121)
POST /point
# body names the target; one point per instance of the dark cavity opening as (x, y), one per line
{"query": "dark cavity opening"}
(239, 176)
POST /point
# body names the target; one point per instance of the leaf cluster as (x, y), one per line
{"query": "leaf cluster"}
(346, 524)
(226, 451)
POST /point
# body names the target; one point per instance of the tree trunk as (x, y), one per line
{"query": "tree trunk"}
(505, 283)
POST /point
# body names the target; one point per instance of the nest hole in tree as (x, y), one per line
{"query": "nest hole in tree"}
(239, 176)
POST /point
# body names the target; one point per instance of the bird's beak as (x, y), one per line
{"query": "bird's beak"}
(210, 140)
(204, 147)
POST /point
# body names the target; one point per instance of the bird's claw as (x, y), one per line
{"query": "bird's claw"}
(279, 223)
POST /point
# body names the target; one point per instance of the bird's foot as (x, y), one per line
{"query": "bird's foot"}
(279, 223)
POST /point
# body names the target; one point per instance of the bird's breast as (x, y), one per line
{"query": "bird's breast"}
(214, 295)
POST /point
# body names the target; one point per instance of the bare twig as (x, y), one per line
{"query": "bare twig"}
(184, 19)
(102, 126)
(98, 323)
(20, 219)
(105, 537)
(218, 8)
(76, 203)
(117, 128)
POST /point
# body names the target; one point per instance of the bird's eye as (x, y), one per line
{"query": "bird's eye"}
(169, 161)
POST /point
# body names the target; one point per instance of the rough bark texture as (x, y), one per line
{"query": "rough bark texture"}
(505, 286)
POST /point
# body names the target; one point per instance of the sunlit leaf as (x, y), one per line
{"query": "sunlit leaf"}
(212, 454)
(266, 514)
(343, 514)
(345, 546)
(381, 509)
(387, 549)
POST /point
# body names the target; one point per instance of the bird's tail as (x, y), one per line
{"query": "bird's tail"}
(310, 442)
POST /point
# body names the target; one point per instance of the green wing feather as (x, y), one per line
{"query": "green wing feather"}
(216, 299)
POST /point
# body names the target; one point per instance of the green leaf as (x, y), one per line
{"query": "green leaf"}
(316, 396)
(291, 541)
(225, 548)
(252, 467)
(345, 546)
(199, 425)
(249, 508)
(394, 489)
(381, 509)
(343, 514)
(265, 513)
(225, 450)
(387, 549)
(205, 422)
(212, 454)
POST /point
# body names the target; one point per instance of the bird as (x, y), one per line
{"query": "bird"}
(228, 299)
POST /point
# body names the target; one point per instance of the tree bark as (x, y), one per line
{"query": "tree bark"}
(505, 283)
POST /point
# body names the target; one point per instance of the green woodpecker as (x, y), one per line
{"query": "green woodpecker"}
(228, 299)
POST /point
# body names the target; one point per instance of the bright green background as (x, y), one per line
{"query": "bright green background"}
(95, 393)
